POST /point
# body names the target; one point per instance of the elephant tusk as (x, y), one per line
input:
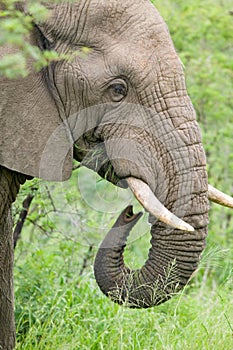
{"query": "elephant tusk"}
(219, 197)
(146, 197)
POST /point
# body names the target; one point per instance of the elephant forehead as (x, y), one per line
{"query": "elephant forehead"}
(96, 23)
(119, 17)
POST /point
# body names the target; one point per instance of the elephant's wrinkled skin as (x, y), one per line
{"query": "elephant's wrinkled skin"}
(125, 107)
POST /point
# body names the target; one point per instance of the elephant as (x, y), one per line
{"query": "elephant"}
(123, 111)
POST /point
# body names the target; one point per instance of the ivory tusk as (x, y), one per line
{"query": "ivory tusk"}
(149, 201)
(219, 197)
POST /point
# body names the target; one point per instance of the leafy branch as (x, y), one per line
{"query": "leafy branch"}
(15, 29)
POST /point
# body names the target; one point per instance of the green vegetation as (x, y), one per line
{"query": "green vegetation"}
(14, 26)
(58, 304)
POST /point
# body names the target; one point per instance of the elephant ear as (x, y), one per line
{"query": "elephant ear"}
(34, 137)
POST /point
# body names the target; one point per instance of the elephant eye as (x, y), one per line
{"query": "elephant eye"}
(118, 91)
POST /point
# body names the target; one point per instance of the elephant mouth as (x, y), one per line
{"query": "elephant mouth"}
(96, 159)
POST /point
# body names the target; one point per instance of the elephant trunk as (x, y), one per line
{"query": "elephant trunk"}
(172, 163)
(173, 258)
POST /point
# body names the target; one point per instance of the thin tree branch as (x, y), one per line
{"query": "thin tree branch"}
(85, 260)
(22, 217)
(51, 199)
(38, 226)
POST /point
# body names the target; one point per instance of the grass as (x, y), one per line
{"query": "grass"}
(195, 322)
(57, 312)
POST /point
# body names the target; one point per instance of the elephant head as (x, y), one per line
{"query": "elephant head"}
(122, 110)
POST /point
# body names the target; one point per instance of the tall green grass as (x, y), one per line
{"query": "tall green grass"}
(56, 309)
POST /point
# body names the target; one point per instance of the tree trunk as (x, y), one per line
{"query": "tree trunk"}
(9, 187)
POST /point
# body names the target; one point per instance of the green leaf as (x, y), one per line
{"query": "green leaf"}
(13, 66)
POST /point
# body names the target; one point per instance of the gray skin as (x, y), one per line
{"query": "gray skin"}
(125, 107)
